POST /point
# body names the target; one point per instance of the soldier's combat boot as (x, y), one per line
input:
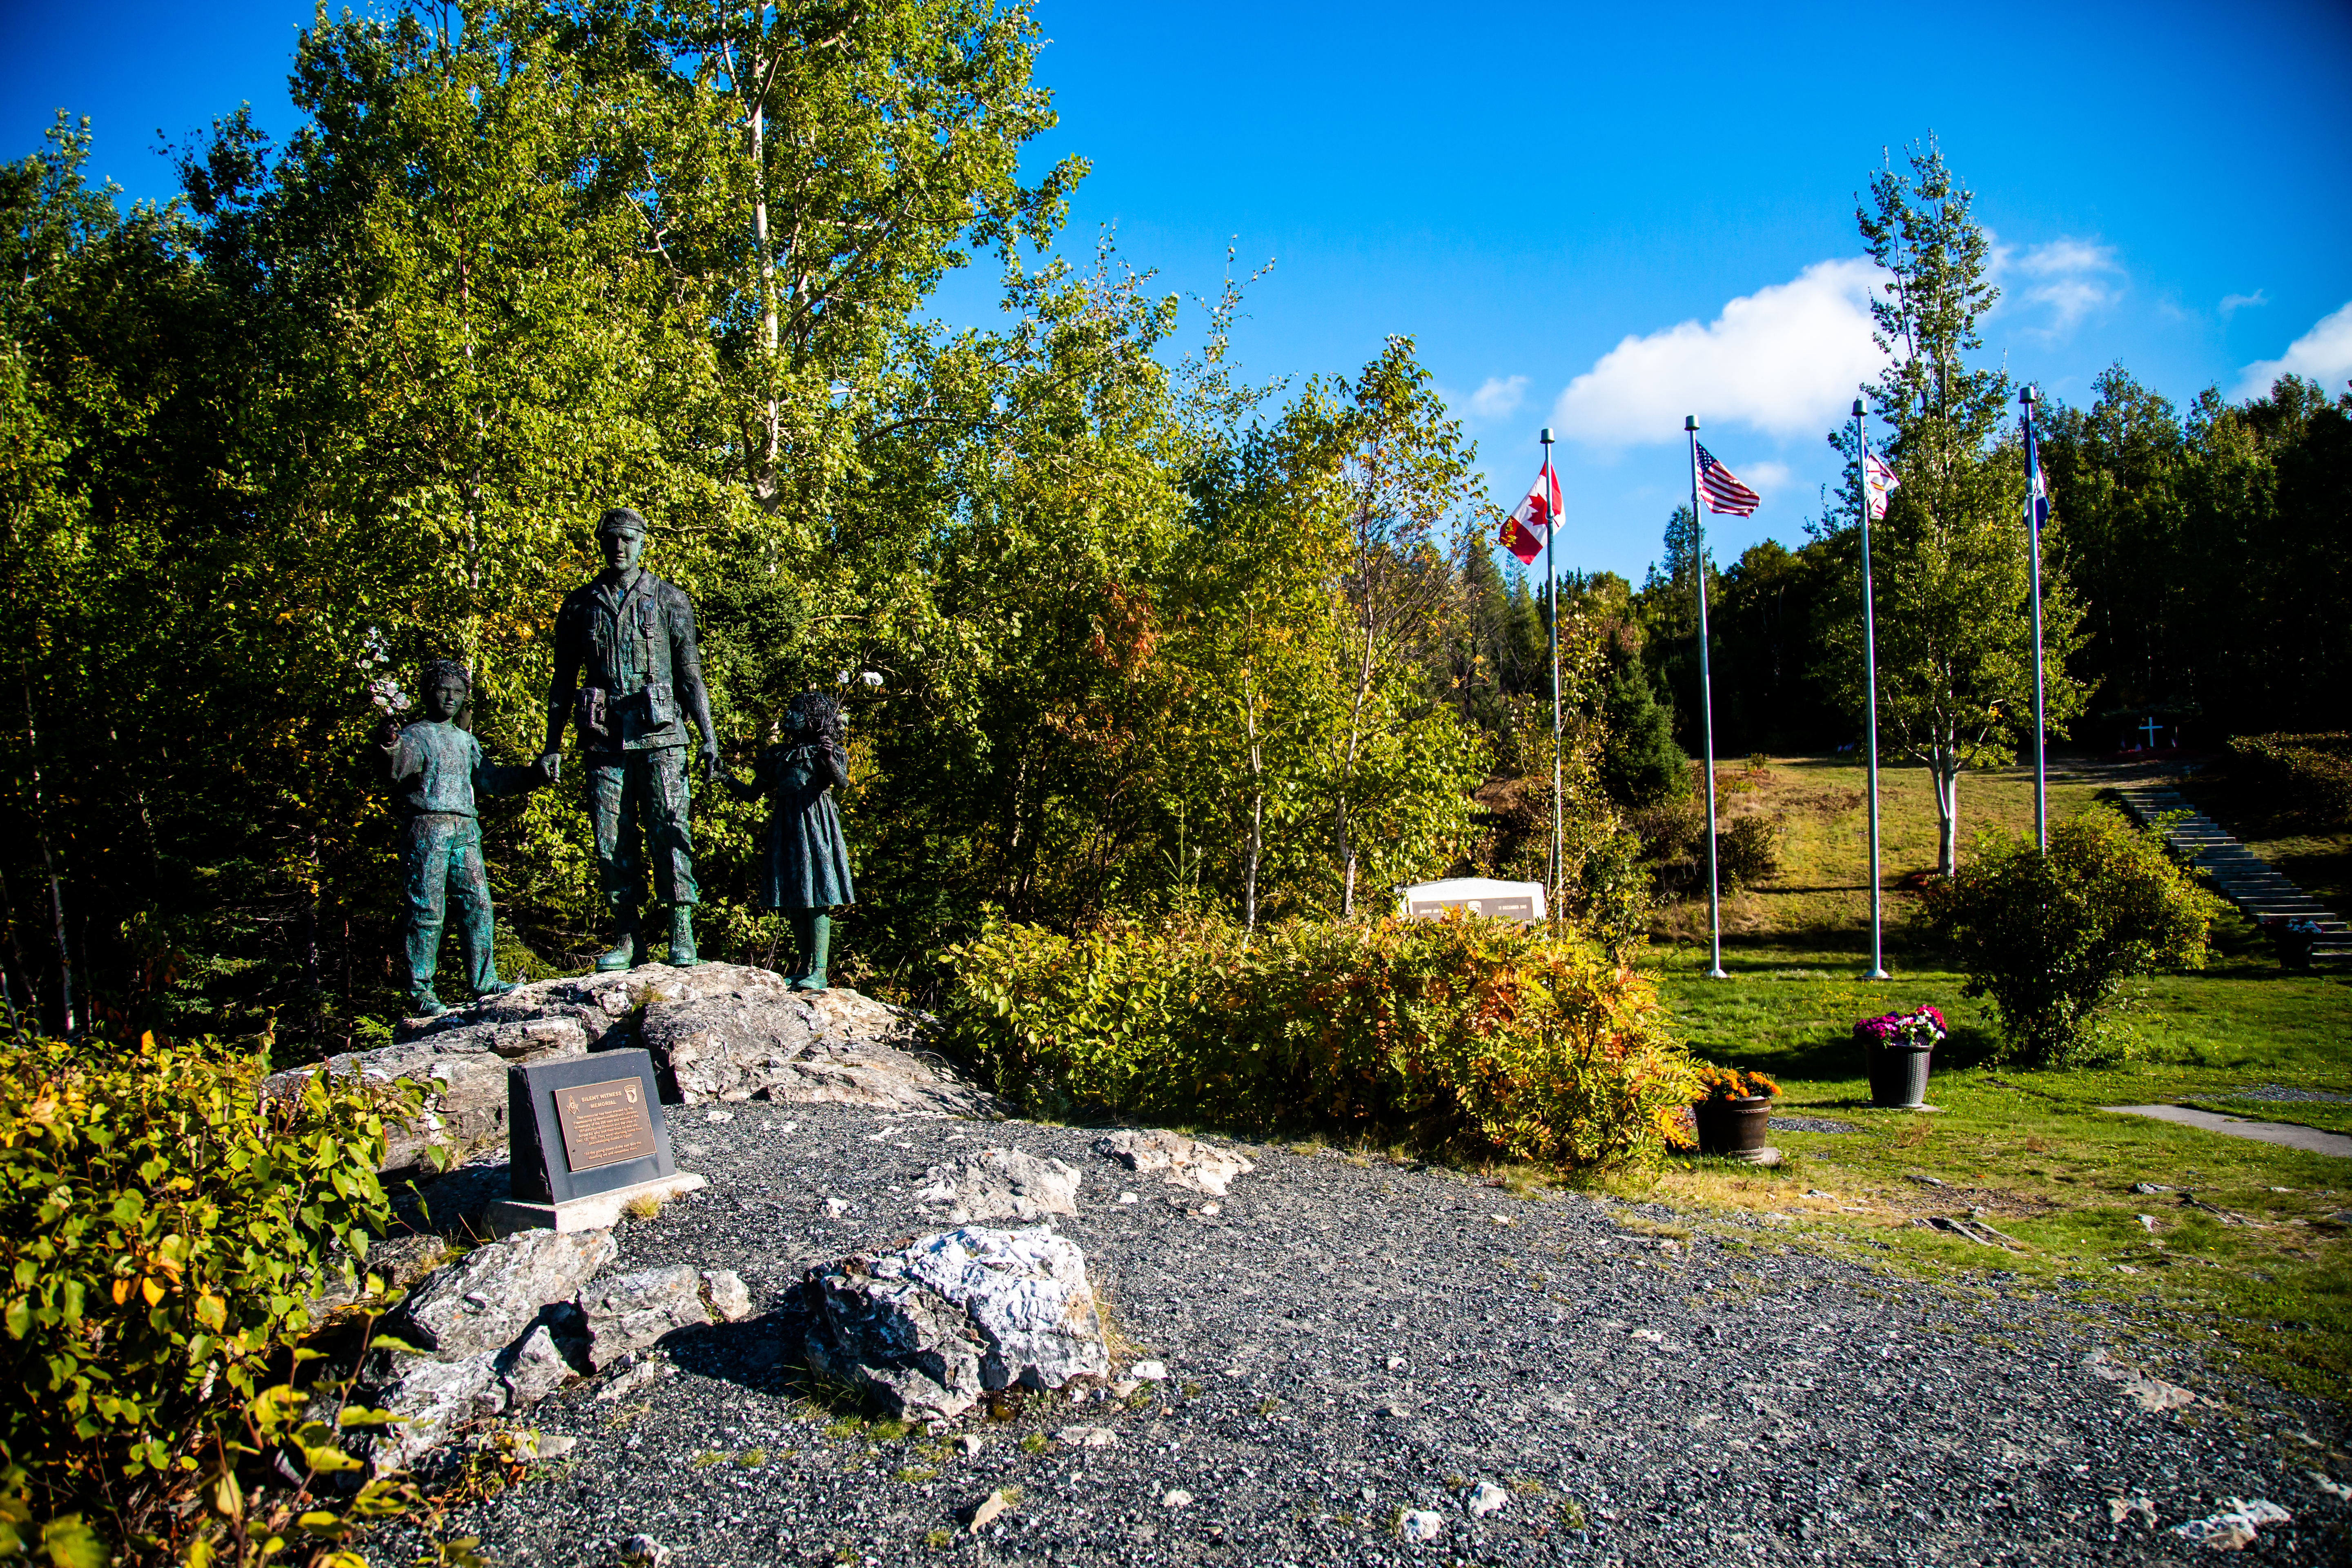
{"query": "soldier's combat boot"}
(628, 949)
(815, 928)
(424, 1004)
(681, 936)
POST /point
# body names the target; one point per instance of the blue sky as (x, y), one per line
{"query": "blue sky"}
(1599, 217)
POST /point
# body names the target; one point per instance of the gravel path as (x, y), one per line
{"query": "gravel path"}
(1350, 1340)
(2284, 1095)
(2287, 1134)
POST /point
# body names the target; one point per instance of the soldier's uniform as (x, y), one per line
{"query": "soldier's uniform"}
(631, 655)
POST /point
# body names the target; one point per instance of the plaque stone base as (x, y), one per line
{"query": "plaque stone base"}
(598, 1211)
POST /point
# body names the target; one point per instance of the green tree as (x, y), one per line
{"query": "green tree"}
(2054, 939)
(1403, 474)
(1954, 630)
(2113, 470)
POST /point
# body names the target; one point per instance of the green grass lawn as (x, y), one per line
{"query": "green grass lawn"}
(2268, 1282)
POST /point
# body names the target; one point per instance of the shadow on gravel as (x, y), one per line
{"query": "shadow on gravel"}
(761, 1352)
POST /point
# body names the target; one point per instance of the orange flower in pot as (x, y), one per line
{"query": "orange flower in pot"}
(1735, 1111)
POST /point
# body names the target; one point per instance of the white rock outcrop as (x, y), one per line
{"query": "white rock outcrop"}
(1179, 1161)
(1002, 1183)
(926, 1330)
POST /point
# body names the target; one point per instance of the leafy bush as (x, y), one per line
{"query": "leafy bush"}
(2052, 940)
(1485, 1036)
(162, 1224)
(2311, 774)
(1608, 893)
(1747, 849)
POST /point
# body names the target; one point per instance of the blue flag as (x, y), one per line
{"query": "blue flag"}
(2037, 494)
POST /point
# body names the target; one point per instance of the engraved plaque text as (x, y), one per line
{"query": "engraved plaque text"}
(605, 1123)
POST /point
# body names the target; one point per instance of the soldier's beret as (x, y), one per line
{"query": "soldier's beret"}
(621, 520)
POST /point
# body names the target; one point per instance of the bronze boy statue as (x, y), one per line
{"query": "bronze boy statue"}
(806, 869)
(632, 637)
(437, 772)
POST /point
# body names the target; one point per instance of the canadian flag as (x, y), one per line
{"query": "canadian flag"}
(1532, 520)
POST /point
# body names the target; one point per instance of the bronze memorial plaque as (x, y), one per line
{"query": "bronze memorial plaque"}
(605, 1123)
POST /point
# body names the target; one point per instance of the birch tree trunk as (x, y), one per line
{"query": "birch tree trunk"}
(754, 72)
(1944, 770)
(49, 867)
(1254, 847)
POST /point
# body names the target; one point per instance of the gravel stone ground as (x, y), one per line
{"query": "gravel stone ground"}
(2283, 1094)
(1354, 1345)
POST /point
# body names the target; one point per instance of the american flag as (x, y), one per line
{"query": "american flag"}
(1725, 493)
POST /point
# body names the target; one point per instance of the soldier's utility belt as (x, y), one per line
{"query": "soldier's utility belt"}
(615, 715)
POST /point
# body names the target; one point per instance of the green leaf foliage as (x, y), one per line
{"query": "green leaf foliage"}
(163, 1221)
(2310, 776)
(1488, 1037)
(2054, 939)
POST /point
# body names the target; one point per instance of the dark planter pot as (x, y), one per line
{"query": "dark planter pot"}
(1734, 1127)
(1898, 1075)
(2293, 947)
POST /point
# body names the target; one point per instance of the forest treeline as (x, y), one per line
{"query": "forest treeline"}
(1149, 640)
(2211, 552)
(1146, 637)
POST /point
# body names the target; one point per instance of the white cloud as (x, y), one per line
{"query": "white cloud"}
(2072, 285)
(1765, 476)
(1787, 359)
(2233, 303)
(2063, 255)
(1499, 397)
(2324, 354)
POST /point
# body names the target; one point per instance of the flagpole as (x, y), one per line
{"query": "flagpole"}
(1550, 484)
(1705, 717)
(2033, 531)
(1869, 679)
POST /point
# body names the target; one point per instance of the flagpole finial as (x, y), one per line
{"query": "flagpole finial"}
(1690, 421)
(1858, 409)
(1546, 436)
(2029, 395)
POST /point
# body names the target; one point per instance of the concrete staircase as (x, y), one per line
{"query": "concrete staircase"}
(2239, 874)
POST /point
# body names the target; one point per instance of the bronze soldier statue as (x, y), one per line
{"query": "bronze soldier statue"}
(632, 635)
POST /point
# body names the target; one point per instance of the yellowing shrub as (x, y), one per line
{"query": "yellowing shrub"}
(1489, 1037)
(162, 1224)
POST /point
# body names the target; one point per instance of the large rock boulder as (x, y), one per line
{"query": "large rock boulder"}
(429, 1398)
(509, 1323)
(1002, 1183)
(629, 1311)
(490, 1298)
(756, 1038)
(1179, 1161)
(716, 1032)
(925, 1331)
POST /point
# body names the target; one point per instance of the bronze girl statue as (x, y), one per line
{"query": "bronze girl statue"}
(805, 870)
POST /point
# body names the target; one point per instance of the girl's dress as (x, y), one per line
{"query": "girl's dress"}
(807, 863)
